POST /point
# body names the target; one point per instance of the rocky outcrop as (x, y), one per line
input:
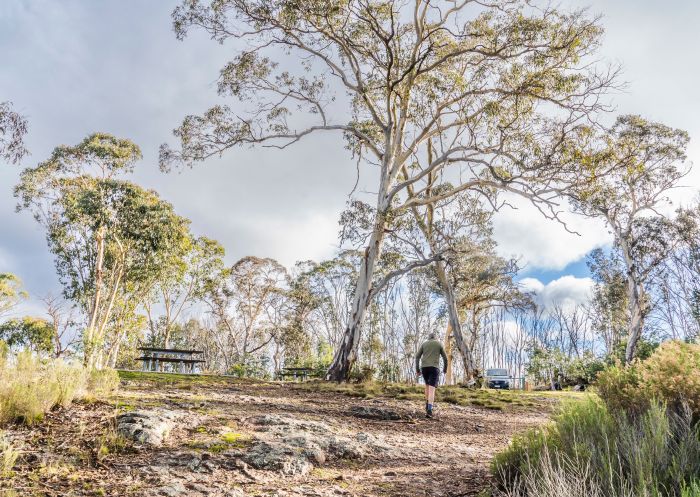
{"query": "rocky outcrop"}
(293, 446)
(146, 427)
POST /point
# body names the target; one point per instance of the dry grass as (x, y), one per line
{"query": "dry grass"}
(8, 457)
(183, 381)
(32, 386)
(589, 450)
(497, 400)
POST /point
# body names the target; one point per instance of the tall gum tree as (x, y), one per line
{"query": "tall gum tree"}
(109, 237)
(187, 278)
(644, 161)
(494, 87)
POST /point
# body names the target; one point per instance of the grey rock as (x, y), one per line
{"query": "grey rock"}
(288, 424)
(294, 446)
(278, 457)
(202, 489)
(175, 489)
(145, 427)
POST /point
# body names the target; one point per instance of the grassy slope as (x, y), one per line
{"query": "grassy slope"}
(489, 399)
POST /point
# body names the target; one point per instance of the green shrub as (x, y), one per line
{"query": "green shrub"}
(32, 386)
(643, 439)
(102, 382)
(361, 374)
(589, 450)
(691, 490)
(581, 431)
(671, 374)
(622, 390)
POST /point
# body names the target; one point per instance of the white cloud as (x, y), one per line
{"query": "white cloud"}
(566, 291)
(289, 240)
(543, 243)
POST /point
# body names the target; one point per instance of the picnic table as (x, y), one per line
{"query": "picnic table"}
(185, 361)
(296, 373)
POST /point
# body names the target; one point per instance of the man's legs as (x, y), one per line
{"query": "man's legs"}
(430, 377)
(430, 394)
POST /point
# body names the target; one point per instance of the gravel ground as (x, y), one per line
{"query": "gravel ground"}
(78, 452)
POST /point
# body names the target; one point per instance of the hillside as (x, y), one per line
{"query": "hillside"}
(234, 438)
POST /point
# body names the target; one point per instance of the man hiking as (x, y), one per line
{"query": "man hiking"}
(427, 365)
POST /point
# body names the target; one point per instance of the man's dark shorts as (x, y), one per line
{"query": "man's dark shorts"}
(431, 376)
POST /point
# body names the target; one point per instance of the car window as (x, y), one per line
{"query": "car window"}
(496, 372)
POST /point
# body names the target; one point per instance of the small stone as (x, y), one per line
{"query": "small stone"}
(202, 489)
(390, 473)
(175, 489)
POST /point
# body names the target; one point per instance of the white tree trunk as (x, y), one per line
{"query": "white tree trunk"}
(453, 313)
(346, 354)
(448, 353)
(635, 297)
(89, 334)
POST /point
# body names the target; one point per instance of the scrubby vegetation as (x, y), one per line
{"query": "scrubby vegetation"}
(640, 438)
(32, 386)
(671, 375)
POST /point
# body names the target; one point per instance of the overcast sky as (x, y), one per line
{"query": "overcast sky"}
(73, 67)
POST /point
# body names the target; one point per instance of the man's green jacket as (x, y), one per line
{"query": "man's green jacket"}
(430, 353)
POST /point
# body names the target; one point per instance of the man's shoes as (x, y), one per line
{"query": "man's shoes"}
(428, 412)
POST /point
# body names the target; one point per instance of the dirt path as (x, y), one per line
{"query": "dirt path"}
(76, 452)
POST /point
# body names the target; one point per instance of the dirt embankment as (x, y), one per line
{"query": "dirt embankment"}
(232, 439)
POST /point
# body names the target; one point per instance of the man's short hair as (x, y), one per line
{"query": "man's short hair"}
(432, 336)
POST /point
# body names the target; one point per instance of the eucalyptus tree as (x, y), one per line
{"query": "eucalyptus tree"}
(493, 87)
(609, 305)
(188, 277)
(110, 238)
(643, 161)
(456, 235)
(481, 282)
(61, 315)
(29, 332)
(244, 301)
(11, 292)
(302, 326)
(331, 283)
(678, 288)
(13, 128)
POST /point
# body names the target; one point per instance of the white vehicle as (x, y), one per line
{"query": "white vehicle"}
(498, 378)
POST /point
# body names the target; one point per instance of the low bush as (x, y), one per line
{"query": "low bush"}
(621, 389)
(102, 382)
(671, 374)
(641, 437)
(692, 489)
(588, 450)
(32, 386)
